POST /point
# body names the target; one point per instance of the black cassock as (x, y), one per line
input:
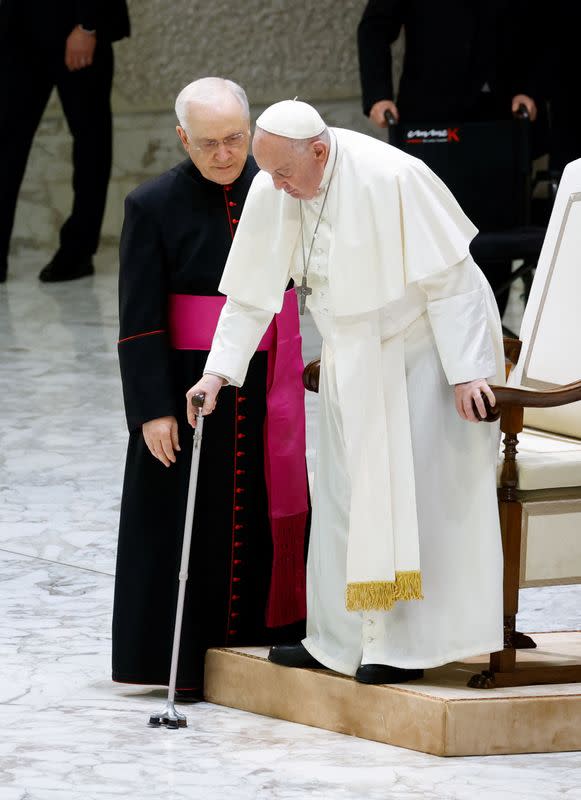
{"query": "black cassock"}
(176, 236)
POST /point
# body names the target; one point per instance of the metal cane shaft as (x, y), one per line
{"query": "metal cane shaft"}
(186, 546)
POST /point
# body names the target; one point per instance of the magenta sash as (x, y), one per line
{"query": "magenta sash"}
(192, 323)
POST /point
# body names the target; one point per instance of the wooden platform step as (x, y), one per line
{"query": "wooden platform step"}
(437, 715)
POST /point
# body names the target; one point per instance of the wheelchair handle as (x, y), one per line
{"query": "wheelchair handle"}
(390, 119)
(523, 112)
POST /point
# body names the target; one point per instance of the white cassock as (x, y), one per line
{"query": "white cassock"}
(405, 314)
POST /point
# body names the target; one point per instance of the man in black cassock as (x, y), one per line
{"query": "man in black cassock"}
(64, 44)
(176, 236)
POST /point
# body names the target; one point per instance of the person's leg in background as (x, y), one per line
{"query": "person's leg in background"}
(86, 99)
(26, 81)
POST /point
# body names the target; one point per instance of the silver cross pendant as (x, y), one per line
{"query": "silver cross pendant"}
(303, 292)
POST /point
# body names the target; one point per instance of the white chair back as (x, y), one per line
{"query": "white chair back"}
(551, 326)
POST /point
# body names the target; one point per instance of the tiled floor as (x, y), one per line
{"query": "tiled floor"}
(67, 731)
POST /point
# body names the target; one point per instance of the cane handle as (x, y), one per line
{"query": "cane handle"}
(198, 400)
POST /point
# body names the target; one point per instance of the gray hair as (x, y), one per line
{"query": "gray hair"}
(207, 91)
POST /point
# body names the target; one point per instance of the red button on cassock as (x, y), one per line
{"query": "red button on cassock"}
(241, 472)
(241, 435)
(238, 527)
(240, 453)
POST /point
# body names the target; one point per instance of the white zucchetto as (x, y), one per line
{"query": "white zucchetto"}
(292, 119)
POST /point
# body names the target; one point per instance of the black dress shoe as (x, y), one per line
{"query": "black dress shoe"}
(189, 695)
(383, 673)
(293, 655)
(59, 270)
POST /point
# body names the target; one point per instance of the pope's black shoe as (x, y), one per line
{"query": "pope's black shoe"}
(59, 270)
(293, 655)
(383, 673)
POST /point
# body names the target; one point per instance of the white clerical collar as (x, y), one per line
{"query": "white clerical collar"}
(330, 162)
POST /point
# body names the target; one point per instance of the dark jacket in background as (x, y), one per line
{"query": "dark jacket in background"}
(452, 50)
(563, 79)
(33, 36)
(43, 19)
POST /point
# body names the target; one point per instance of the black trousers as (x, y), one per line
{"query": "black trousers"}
(27, 78)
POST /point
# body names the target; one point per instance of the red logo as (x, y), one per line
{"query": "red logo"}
(432, 135)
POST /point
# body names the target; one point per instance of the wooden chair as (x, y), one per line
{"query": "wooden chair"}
(540, 483)
(539, 491)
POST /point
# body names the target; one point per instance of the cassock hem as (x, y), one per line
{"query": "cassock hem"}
(133, 680)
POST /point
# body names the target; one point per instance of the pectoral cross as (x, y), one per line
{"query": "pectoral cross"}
(303, 292)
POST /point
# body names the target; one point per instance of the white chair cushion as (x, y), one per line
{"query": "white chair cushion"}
(564, 420)
(546, 460)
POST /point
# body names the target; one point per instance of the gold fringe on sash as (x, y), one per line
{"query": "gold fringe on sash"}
(382, 595)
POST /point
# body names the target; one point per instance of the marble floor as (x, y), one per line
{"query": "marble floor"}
(68, 733)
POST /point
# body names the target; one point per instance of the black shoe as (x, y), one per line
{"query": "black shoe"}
(189, 695)
(58, 270)
(383, 673)
(293, 655)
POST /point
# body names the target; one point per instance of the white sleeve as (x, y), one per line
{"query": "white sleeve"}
(238, 334)
(458, 315)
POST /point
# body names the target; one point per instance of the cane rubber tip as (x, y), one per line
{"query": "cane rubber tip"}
(154, 722)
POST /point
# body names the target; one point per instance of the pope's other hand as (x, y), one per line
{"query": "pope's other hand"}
(210, 385)
(161, 437)
(465, 393)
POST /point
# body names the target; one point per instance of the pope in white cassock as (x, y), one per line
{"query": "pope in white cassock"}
(405, 561)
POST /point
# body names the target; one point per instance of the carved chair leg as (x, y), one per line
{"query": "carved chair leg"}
(504, 661)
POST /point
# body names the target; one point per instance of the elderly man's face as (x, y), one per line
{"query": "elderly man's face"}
(297, 170)
(217, 139)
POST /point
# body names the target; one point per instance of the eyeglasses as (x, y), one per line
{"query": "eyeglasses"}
(232, 142)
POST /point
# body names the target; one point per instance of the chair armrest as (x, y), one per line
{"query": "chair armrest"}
(311, 375)
(505, 395)
(527, 398)
(511, 397)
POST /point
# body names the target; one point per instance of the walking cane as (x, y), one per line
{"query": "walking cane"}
(169, 716)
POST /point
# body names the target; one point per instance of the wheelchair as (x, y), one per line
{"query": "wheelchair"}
(487, 166)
